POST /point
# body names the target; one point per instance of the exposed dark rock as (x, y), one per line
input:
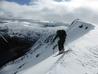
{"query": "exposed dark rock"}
(13, 48)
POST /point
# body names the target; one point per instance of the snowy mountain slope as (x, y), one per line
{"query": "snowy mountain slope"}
(84, 60)
(42, 51)
(80, 61)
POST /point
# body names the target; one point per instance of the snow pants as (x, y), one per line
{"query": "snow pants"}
(61, 45)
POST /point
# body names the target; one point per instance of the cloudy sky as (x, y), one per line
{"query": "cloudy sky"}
(50, 10)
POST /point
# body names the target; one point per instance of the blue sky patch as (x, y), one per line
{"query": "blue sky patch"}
(21, 2)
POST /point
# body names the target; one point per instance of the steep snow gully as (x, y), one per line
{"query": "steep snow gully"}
(82, 39)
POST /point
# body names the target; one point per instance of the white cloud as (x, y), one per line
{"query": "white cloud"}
(53, 10)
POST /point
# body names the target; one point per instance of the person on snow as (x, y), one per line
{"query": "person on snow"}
(61, 34)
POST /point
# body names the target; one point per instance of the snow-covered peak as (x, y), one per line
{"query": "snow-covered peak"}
(40, 59)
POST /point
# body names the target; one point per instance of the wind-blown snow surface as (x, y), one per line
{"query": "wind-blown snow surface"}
(83, 59)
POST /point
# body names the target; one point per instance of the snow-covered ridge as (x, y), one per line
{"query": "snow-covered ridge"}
(43, 48)
(34, 22)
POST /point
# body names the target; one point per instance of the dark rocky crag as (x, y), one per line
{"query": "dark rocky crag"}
(13, 47)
